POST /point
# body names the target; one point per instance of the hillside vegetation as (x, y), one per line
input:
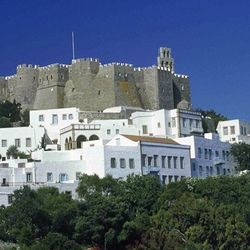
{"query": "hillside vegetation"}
(135, 214)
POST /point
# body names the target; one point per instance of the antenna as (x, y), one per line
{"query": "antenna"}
(73, 45)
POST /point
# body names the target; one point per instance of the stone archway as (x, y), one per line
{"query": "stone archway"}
(79, 140)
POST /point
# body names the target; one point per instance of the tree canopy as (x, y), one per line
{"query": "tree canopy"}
(138, 213)
(241, 154)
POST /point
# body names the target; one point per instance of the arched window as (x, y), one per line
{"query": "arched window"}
(79, 140)
(70, 143)
(66, 144)
(93, 137)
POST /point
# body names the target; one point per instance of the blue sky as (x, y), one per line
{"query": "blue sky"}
(210, 40)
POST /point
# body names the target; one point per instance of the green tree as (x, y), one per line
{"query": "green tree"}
(5, 122)
(13, 151)
(210, 119)
(55, 241)
(25, 117)
(241, 154)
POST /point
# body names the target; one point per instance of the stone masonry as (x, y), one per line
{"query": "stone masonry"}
(89, 85)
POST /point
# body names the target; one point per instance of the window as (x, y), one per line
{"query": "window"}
(164, 179)
(227, 155)
(163, 159)
(207, 170)
(18, 143)
(225, 130)
(28, 177)
(113, 162)
(173, 122)
(199, 152)
(181, 162)
(241, 130)
(211, 170)
(175, 161)
(10, 198)
(78, 175)
(122, 163)
(190, 123)
(170, 177)
(70, 116)
(158, 124)
(144, 129)
(131, 163)
(28, 142)
(197, 123)
(193, 167)
(218, 170)
(206, 153)
(200, 170)
(169, 124)
(41, 118)
(232, 130)
(210, 154)
(143, 160)
(217, 153)
(4, 143)
(245, 131)
(169, 161)
(49, 177)
(117, 131)
(54, 119)
(224, 155)
(64, 117)
(155, 160)
(150, 161)
(184, 122)
(21, 165)
(176, 178)
(108, 131)
(63, 177)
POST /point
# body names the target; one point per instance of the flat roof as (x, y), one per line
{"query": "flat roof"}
(151, 139)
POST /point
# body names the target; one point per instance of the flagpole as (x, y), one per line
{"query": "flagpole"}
(73, 45)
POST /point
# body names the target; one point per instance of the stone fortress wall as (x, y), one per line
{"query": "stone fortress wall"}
(89, 85)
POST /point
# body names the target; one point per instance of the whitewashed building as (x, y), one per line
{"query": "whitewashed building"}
(72, 136)
(54, 120)
(168, 123)
(26, 139)
(234, 131)
(209, 156)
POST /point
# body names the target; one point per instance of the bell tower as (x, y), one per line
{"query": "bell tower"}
(164, 59)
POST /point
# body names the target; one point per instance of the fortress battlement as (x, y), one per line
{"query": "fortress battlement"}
(30, 66)
(88, 84)
(54, 65)
(85, 60)
(180, 76)
(10, 77)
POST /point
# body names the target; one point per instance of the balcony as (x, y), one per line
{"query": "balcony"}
(151, 169)
(218, 161)
(80, 127)
(194, 130)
